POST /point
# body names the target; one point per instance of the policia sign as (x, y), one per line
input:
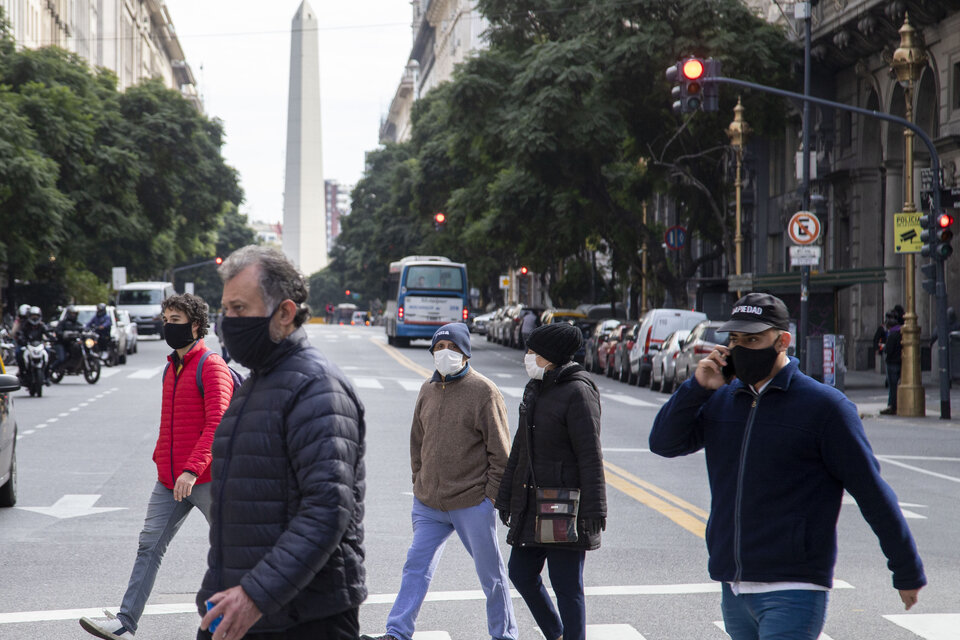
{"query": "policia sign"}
(906, 232)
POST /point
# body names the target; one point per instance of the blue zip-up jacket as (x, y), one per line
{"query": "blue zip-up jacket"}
(778, 464)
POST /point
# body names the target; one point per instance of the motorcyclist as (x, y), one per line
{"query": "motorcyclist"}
(101, 323)
(32, 329)
(69, 323)
(22, 312)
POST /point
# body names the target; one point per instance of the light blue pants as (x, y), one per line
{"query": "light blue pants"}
(164, 517)
(477, 529)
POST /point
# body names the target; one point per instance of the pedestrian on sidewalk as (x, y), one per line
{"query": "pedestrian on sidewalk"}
(559, 435)
(286, 542)
(458, 450)
(527, 326)
(781, 449)
(188, 421)
(892, 356)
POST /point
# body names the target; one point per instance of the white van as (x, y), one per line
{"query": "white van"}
(655, 326)
(142, 300)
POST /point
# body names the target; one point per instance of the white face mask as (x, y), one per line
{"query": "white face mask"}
(447, 361)
(534, 370)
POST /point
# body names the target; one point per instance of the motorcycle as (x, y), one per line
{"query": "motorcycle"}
(35, 360)
(81, 360)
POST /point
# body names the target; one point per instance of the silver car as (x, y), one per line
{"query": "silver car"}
(129, 328)
(665, 361)
(698, 345)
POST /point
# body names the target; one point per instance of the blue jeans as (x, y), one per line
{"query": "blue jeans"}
(778, 615)
(893, 379)
(164, 517)
(566, 577)
(477, 529)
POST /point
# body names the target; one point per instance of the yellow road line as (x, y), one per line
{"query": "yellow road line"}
(402, 359)
(680, 502)
(682, 518)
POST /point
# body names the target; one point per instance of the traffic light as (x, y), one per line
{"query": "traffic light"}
(523, 271)
(438, 220)
(347, 293)
(711, 90)
(687, 91)
(929, 282)
(936, 236)
(218, 260)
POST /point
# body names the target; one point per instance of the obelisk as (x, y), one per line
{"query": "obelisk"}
(304, 206)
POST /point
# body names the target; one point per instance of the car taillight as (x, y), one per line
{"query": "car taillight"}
(646, 343)
(466, 314)
(702, 350)
(675, 354)
(400, 313)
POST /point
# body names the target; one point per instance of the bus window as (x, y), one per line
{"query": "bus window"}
(437, 278)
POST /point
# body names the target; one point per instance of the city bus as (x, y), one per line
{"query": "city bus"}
(424, 293)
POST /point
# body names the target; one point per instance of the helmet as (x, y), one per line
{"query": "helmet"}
(23, 310)
(34, 317)
(72, 313)
(101, 309)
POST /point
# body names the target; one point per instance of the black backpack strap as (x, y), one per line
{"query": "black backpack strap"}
(203, 359)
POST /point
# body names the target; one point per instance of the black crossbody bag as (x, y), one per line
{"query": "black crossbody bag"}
(556, 508)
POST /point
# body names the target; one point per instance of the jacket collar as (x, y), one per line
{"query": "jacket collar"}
(452, 378)
(294, 342)
(197, 348)
(781, 381)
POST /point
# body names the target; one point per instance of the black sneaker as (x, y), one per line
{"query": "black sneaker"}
(889, 411)
(385, 636)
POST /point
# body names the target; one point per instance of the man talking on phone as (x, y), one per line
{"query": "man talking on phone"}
(781, 448)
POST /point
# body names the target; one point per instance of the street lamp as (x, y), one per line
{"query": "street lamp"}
(909, 60)
(737, 132)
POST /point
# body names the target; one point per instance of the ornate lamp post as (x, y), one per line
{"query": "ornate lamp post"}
(643, 276)
(738, 131)
(909, 61)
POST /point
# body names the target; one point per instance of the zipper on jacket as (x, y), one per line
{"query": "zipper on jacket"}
(173, 405)
(226, 465)
(737, 528)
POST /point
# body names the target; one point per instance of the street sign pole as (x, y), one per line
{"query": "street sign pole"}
(802, 10)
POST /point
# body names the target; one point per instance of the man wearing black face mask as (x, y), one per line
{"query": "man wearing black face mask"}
(781, 449)
(189, 417)
(286, 543)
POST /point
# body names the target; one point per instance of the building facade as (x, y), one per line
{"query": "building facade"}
(338, 206)
(135, 39)
(445, 33)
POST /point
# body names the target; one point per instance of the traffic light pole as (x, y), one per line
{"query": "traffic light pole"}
(805, 189)
(943, 335)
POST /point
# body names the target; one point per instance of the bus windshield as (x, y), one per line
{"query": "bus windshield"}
(437, 278)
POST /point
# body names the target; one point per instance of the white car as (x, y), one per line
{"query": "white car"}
(129, 327)
(665, 361)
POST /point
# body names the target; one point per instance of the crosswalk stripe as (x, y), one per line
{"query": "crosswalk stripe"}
(144, 374)
(930, 626)
(719, 623)
(628, 400)
(431, 635)
(612, 632)
(106, 373)
(513, 392)
(367, 383)
(410, 385)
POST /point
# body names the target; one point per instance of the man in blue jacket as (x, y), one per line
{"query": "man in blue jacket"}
(781, 449)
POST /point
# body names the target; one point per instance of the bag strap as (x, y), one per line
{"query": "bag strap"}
(529, 434)
(203, 358)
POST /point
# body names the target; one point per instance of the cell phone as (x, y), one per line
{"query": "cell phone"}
(216, 622)
(728, 370)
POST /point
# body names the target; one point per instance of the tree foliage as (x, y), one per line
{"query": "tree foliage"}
(91, 178)
(544, 146)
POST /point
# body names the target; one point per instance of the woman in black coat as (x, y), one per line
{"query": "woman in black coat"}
(560, 416)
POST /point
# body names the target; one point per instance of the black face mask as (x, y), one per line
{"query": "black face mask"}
(753, 365)
(178, 335)
(247, 339)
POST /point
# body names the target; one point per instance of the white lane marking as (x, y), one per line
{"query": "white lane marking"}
(910, 515)
(502, 375)
(84, 404)
(930, 626)
(28, 432)
(42, 425)
(366, 383)
(628, 400)
(144, 374)
(612, 632)
(19, 617)
(897, 463)
(719, 624)
(928, 458)
(624, 450)
(106, 373)
(410, 385)
(513, 392)
(74, 409)
(73, 506)
(63, 415)
(52, 420)
(431, 635)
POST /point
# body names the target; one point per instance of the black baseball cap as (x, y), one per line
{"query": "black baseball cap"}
(756, 312)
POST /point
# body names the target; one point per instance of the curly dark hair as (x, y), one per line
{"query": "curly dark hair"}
(195, 308)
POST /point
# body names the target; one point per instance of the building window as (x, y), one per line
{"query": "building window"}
(846, 129)
(956, 85)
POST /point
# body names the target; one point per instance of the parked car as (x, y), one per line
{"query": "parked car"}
(621, 356)
(612, 345)
(117, 353)
(480, 322)
(698, 345)
(504, 327)
(655, 326)
(550, 316)
(494, 323)
(8, 439)
(603, 311)
(599, 335)
(360, 319)
(129, 328)
(665, 361)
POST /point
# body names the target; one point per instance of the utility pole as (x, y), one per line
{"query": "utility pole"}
(803, 10)
(737, 131)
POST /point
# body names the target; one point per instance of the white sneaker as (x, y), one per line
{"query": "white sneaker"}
(109, 629)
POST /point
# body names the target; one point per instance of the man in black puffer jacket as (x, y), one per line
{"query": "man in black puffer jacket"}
(286, 539)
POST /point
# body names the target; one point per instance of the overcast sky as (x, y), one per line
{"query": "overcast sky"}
(240, 54)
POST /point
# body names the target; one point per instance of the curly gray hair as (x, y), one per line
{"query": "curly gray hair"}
(279, 278)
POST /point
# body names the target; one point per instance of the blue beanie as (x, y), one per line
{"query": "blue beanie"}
(455, 332)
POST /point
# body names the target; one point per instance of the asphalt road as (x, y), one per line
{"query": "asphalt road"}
(88, 447)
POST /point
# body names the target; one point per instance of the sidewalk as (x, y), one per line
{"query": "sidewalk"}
(866, 389)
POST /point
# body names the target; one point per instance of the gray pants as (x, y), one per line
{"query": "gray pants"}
(164, 517)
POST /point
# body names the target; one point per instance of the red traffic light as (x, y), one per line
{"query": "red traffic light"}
(523, 271)
(440, 218)
(692, 69)
(347, 292)
(218, 260)
(944, 220)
